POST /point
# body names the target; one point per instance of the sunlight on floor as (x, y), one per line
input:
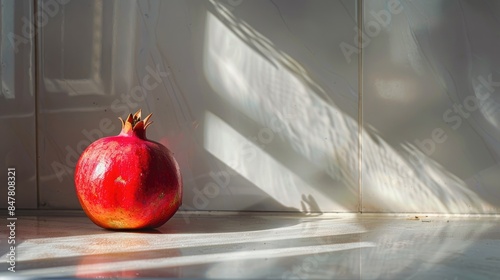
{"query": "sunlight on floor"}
(260, 245)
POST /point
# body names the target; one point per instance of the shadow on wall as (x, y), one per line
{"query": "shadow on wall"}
(461, 48)
(272, 89)
(272, 127)
(438, 57)
(302, 149)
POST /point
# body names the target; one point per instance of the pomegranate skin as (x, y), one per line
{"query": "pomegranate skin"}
(128, 182)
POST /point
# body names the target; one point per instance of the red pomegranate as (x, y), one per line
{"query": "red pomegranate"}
(127, 181)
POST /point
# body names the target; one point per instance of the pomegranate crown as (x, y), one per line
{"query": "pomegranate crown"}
(133, 125)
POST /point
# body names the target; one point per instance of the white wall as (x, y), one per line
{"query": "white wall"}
(431, 108)
(17, 104)
(259, 100)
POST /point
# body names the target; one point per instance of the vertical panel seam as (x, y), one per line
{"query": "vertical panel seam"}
(360, 105)
(35, 92)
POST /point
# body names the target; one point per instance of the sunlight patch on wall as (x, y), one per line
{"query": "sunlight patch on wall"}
(254, 164)
(271, 88)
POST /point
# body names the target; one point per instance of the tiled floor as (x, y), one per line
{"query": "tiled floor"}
(275, 246)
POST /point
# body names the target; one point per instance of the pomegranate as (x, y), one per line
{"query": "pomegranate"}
(127, 181)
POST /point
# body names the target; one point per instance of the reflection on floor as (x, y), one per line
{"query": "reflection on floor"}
(258, 245)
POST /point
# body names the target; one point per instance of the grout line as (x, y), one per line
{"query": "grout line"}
(35, 91)
(360, 103)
